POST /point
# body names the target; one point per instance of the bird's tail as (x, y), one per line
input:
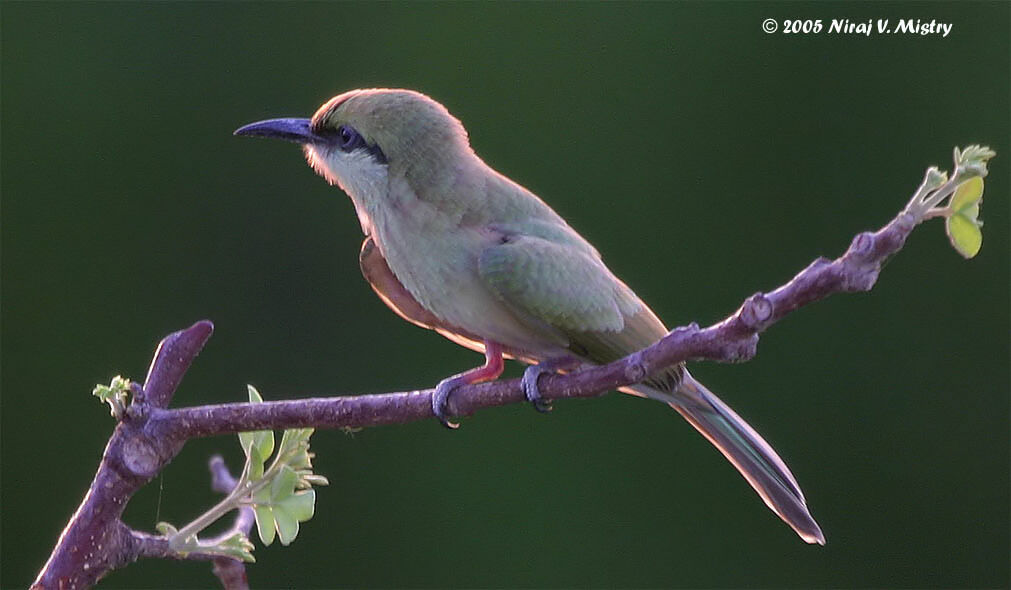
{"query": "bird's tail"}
(745, 448)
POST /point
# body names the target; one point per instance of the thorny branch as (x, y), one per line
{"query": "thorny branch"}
(149, 434)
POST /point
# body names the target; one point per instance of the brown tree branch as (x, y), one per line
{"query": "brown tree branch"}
(733, 340)
(149, 434)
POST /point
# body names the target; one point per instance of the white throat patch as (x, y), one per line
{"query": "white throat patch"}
(358, 173)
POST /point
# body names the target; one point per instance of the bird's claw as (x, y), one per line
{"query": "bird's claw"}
(441, 396)
(532, 391)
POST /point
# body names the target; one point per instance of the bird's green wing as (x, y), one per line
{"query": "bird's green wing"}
(547, 273)
(564, 284)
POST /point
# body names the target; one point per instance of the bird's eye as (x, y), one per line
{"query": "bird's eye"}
(348, 138)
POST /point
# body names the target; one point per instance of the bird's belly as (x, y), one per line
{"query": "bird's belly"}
(436, 285)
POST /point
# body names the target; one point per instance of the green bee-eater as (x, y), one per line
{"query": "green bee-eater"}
(454, 246)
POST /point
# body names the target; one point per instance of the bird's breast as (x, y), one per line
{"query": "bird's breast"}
(434, 258)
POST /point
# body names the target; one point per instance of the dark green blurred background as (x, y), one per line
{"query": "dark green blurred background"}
(705, 159)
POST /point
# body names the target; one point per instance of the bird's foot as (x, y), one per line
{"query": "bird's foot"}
(491, 369)
(441, 396)
(529, 383)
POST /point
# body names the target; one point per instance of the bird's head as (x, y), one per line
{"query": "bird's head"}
(359, 138)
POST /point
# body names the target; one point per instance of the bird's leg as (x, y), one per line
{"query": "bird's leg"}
(490, 370)
(533, 373)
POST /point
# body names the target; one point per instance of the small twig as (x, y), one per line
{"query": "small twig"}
(230, 572)
(171, 360)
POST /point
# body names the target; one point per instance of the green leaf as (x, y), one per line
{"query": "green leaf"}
(962, 225)
(279, 509)
(264, 523)
(262, 439)
(166, 529)
(283, 485)
(294, 449)
(934, 178)
(237, 546)
(295, 439)
(277, 506)
(262, 496)
(287, 525)
(968, 195)
(312, 479)
(301, 505)
(971, 161)
(254, 395)
(973, 155)
(287, 439)
(300, 458)
(292, 510)
(115, 394)
(255, 462)
(965, 235)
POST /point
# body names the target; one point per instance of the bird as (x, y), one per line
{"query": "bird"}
(454, 246)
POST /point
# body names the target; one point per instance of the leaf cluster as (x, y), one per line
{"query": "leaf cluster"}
(280, 494)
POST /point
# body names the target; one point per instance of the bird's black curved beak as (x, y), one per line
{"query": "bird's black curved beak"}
(295, 130)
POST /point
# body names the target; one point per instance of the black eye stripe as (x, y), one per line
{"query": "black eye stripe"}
(377, 153)
(348, 140)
